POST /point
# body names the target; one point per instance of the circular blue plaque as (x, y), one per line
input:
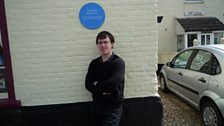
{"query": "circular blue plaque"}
(91, 15)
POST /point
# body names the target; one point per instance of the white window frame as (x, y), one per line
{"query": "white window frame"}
(221, 31)
(193, 1)
(205, 34)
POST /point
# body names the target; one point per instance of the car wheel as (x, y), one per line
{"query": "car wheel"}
(211, 114)
(162, 82)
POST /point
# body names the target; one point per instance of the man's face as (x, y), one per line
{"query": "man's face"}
(105, 46)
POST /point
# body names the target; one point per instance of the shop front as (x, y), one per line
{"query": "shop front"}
(203, 30)
(46, 50)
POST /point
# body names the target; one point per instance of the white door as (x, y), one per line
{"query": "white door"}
(196, 79)
(175, 73)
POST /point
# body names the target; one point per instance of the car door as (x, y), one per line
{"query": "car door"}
(196, 78)
(174, 73)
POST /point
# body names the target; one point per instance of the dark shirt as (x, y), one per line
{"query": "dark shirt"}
(110, 79)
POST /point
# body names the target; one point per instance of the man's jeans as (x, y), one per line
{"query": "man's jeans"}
(107, 116)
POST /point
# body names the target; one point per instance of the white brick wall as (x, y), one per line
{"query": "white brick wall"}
(51, 50)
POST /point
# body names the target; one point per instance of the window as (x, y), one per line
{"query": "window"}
(201, 61)
(182, 59)
(217, 37)
(184, 41)
(180, 43)
(216, 68)
(194, 1)
(3, 87)
(206, 39)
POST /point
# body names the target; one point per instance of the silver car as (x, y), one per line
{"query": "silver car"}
(196, 74)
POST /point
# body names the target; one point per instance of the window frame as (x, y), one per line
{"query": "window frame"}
(11, 101)
(209, 62)
(193, 1)
(189, 58)
(217, 39)
(213, 57)
(212, 65)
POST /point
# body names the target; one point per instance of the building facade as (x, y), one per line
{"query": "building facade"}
(47, 51)
(175, 30)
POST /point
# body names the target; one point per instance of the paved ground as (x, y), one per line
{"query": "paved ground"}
(177, 112)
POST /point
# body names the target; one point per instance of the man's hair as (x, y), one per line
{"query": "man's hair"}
(103, 35)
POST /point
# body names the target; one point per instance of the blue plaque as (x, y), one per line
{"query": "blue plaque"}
(91, 16)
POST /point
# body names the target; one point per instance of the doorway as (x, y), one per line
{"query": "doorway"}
(190, 39)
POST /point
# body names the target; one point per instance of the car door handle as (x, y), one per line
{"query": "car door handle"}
(180, 73)
(202, 80)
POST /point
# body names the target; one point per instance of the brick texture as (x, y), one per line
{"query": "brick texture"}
(51, 50)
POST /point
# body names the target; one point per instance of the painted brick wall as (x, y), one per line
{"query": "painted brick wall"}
(51, 50)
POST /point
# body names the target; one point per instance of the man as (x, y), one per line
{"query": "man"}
(105, 80)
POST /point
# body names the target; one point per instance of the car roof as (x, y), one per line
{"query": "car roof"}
(216, 47)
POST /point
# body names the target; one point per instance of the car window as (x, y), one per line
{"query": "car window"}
(182, 59)
(201, 61)
(216, 68)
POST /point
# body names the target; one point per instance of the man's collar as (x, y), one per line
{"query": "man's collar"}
(109, 60)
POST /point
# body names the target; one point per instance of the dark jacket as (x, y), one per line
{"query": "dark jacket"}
(110, 79)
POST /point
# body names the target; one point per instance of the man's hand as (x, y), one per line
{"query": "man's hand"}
(105, 93)
(95, 82)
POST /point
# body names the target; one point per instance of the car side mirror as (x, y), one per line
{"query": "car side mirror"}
(169, 64)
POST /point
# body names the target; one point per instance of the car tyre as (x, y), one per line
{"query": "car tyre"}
(211, 114)
(163, 85)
